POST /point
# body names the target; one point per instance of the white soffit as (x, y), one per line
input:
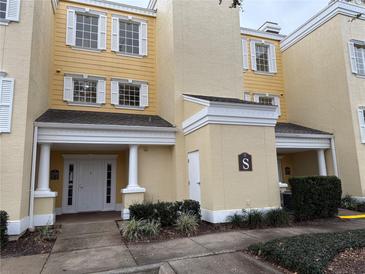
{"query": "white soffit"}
(305, 141)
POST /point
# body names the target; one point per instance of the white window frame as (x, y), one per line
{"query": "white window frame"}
(71, 15)
(12, 12)
(144, 93)
(68, 90)
(143, 35)
(361, 112)
(272, 59)
(247, 96)
(352, 56)
(6, 106)
(244, 54)
(275, 97)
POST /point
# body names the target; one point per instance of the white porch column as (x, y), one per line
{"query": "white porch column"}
(133, 167)
(44, 164)
(321, 162)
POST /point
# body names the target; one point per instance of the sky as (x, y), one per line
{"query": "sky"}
(290, 14)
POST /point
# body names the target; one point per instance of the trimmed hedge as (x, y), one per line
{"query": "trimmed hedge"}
(309, 253)
(315, 197)
(4, 217)
(166, 213)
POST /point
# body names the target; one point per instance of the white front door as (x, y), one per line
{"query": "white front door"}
(194, 176)
(89, 184)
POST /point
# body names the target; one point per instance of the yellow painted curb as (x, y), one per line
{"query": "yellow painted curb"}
(353, 217)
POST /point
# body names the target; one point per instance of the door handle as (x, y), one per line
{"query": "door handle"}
(198, 183)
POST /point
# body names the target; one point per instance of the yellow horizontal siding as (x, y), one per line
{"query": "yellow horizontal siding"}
(261, 83)
(105, 63)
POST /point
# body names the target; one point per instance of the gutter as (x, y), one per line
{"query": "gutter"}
(32, 182)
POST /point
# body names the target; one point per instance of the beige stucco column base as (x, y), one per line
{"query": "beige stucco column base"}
(44, 208)
(130, 197)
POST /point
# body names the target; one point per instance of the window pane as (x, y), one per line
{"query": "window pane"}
(70, 184)
(128, 94)
(262, 57)
(108, 183)
(86, 31)
(360, 59)
(128, 37)
(85, 90)
(2, 9)
(266, 100)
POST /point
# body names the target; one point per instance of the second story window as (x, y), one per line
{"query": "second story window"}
(84, 90)
(263, 56)
(362, 123)
(9, 11)
(357, 57)
(129, 94)
(86, 29)
(268, 99)
(129, 35)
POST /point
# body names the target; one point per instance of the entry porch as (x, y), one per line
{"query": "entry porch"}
(95, 162)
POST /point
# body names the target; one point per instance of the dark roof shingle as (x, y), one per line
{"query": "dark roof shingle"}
(297, 129)
(102, 118)
(223, 99)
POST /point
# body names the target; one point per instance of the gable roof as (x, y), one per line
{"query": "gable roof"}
(291, 128)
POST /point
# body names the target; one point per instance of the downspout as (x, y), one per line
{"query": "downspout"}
(32, 182)
(334, 157)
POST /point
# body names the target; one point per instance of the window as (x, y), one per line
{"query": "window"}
(362, 123)
(244, 53)
(86, 31)
(263, 56)
(357, 57)
(129, 35)
(6, 103)
(70, 184)
(3, 9)
(129, 94)
(268, 99)
(84, 89)
(108, 183)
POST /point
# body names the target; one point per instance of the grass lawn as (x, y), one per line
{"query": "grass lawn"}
(309, 253)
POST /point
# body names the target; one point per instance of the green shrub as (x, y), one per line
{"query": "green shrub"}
(277, 217)
(164, 212)
(255, 218)
(309, 253)
(315, 197)
(138, 229)
(4, 217)
(187, 223)
(237, 220)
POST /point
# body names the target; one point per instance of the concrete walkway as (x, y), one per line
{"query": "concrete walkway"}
(97, 247)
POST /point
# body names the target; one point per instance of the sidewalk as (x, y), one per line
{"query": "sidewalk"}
(97, 247)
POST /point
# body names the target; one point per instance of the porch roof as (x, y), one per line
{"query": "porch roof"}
(101, 118)
(290, 128)
(223, 99)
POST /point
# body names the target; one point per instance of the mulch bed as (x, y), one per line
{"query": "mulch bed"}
(351, 261)
(30, 243)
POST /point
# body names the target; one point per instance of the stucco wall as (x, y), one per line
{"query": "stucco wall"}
(223, 186)
(319, 95)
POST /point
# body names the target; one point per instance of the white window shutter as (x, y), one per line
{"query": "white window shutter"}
(272, 58)
(253, 55)
(71, 28)
(256, 98)
(114, 93)
(6, 103)
(247, 96)
(143, 96)
(115, 34)
(143, 43)
(352, 57)
(68, 89)
(100, 97)
(362, 124)
(277, 103)
(245, 54)
(12, 10)
(102, 32)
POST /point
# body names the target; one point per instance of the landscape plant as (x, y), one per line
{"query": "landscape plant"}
(237, 220)
(187, 224)
(255, 218)
(4, 217)
(277, 217)
(134, 230)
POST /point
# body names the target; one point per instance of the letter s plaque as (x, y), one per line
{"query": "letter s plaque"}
(244, 162)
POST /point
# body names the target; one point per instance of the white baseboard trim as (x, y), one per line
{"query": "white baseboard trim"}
(359, 198)
(44, 219)
(17, 227)
(125, 214)
(220, 216)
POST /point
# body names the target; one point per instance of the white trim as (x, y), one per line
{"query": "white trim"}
(337, 7)
(33, 174)
(307, 141)
(44, 219)
(117, 6)
(220, 216)
(133, 190)
(125, 214)
(152, 4)
(45, 194)
(231, 114)
(90, 156)
(262, 34)
(334, 157)
(359, 198)
(17, 227)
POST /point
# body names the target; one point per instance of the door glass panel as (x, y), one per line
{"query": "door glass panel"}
(70, 184)
(108, 183)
